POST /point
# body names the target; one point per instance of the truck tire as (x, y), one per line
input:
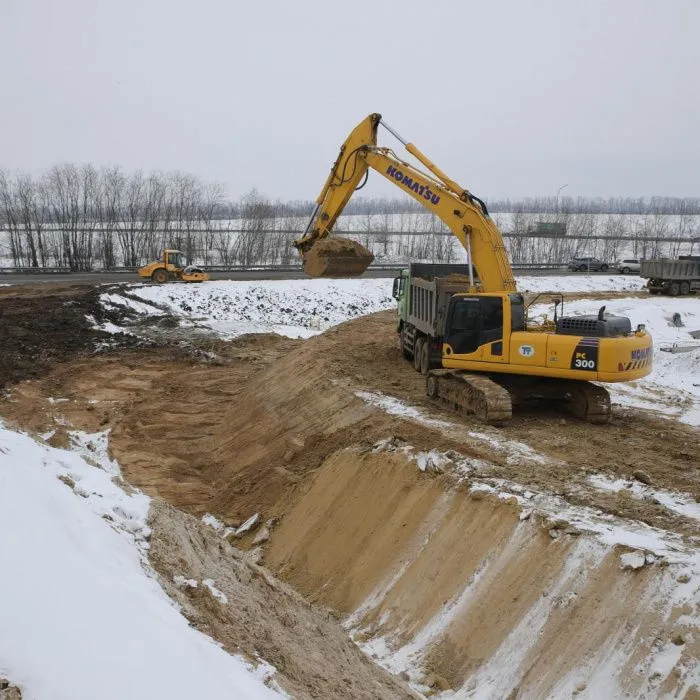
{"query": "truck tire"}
(603, 268)
(417, 352)
(685, 288)
(160, 276)
(674, 289)
(425, 357)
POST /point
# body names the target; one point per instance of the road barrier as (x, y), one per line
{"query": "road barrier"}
(534, 267)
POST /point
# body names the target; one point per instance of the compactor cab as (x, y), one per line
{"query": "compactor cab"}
(172, 268)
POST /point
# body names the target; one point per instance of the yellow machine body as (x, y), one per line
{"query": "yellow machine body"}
(171, 268)
(543, 353)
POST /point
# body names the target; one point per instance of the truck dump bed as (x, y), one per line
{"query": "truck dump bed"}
(670, 269)
(431, 287)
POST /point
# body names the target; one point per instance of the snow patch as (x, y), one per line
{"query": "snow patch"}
(221, 597)
(683, 504)
(81, 614)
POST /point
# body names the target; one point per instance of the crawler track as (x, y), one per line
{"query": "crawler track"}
(471, 393)
(589, 402)
(492, 400)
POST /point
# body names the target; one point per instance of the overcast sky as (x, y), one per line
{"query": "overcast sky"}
(510, 97)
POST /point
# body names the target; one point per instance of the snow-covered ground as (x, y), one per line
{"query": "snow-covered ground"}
(81, 614)
(296, 308)
(302, 308)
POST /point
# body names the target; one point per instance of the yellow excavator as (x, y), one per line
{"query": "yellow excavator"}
(468, 330)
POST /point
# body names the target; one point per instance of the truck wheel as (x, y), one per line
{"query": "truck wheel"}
(674, 289)
(425, 357)
(417, 352)
(160, 276)
(685, 288)
(625, 270)
(603, 268)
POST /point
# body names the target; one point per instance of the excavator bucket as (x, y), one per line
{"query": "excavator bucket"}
(337, 257)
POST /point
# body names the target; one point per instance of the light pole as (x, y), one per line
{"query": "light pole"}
(558, 191)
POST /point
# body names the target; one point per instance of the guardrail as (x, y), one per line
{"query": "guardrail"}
(34, 270)
(243, 268)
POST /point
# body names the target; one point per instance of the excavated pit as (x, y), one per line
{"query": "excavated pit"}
(478, 560)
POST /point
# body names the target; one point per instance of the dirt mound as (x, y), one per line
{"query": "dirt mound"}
(260, 616)
(465, 590)
(240, 429)
(337, 257)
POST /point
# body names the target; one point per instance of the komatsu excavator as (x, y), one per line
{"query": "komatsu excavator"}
(469, 334)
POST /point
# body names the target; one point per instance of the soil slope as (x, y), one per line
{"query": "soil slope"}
(471, 589)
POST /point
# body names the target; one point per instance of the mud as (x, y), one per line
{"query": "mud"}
(41, 326)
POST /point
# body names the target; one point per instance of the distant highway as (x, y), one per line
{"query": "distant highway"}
(118, 277)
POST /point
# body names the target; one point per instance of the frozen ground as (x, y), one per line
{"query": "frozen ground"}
(81, 616)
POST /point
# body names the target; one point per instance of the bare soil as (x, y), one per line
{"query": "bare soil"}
(274, 426)
(45, 324)
(263, 618)
(237, 428)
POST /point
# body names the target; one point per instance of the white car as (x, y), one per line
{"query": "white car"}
(627, 266)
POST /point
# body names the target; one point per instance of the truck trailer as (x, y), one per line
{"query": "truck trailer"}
(672, 277)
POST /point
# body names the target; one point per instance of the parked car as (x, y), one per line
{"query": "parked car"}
(587, 265)
(627, 266)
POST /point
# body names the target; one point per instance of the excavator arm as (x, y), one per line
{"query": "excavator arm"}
(464, 214)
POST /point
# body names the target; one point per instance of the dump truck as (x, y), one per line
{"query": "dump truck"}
(672, 277)
(423, 291)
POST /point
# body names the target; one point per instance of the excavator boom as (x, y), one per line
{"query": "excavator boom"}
(464, 214)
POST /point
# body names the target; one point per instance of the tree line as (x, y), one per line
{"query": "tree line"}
(85, 218)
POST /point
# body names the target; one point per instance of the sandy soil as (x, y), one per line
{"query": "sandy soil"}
(263, 618)
(273, 426)
(237, 432)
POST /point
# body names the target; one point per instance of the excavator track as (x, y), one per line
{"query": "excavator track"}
(488, 401)
(492, 402)
(588, 402)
